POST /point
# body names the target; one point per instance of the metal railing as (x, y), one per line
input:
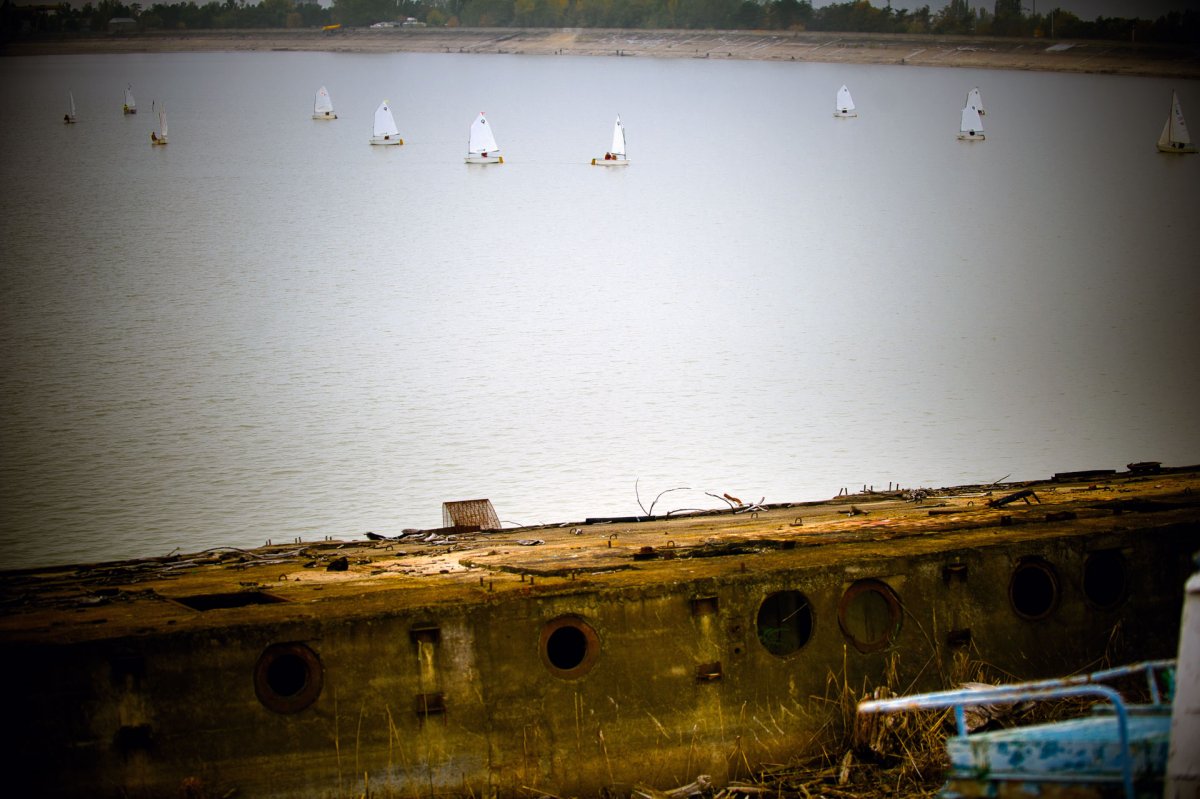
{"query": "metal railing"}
(1080, 685)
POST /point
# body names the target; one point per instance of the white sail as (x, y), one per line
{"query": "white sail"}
(130, 105)
(71, 105)
(385, 124)
(976, 100)
(482, 140)
(160, 136)
(323, 105)
(1175, 137)
(1164, 138)
(845, 103)
(618, 142)
(1179, 131)
(617, 154)
(972, 125)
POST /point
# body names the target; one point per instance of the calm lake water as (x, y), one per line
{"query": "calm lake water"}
(269, 329)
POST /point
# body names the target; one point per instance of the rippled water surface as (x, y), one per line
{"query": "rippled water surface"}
(269, 329)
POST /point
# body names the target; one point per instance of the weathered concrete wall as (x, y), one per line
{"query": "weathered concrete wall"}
(577, 688)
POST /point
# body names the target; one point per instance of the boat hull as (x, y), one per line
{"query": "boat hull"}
(485, 159)
(610, 162)
(129, 110)
(845, 114)
(1177, 149)
(159, 142)
(329, 115)
(386, 140)
(971, 136)
(268, 671)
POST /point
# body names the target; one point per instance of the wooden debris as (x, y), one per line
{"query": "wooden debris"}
(700, 785)
(1024, 493)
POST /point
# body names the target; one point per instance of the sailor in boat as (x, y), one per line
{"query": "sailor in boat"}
(153, 136)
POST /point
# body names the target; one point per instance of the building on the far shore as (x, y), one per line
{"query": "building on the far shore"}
(122, 25)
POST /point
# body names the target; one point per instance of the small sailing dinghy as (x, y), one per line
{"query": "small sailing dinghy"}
(323, 105)
(844, 106)
(161, 136)
(974, 98)
(1174, 137)
(617, 155)
(385, 130)
(971, 128)
(130, 106)
(482, 147)
(69, 117)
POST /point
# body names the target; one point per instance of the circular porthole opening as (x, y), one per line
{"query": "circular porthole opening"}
(1105, 579)
(1033, 589)
(869, 615)
(569, 646)
(288, 677)
(785, 622)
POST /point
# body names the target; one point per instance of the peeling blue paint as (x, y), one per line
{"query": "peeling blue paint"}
(1112, 749)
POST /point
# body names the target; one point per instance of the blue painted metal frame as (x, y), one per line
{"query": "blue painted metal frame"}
(1080, 685)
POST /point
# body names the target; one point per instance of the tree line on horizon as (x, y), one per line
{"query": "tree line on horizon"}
(1006, 18)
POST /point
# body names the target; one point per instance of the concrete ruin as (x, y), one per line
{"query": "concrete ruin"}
(575, 659)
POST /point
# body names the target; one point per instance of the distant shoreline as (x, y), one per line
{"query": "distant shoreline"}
(1100, 57)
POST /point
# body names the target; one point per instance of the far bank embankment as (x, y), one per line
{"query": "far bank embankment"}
(1121, 58)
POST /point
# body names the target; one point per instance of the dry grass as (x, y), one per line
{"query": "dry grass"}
(869, 756)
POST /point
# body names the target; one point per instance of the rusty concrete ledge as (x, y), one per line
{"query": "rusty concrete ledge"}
(571, 660)
(92, 601)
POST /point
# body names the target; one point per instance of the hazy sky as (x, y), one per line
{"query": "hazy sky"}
(1084, 9)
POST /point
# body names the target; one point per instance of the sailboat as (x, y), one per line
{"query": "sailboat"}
(482, 147)
(385, 130)
(323, 105)
(1174, 137)
(69, 117)
(616, 156)
(161, 136)
(971, 128)
(844, 107)
(974, 98)
(130, 106)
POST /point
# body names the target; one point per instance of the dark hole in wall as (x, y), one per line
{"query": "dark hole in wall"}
(954, 572)
(785, 622)
(288, 677)
(133, 737)
(238, 599)
(1033, 589)
(570, 647)
(958, 638)
(869, 615)
(425, 634)
(1105, 579)
(566, 648)
(429, 704)
(127, 670)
